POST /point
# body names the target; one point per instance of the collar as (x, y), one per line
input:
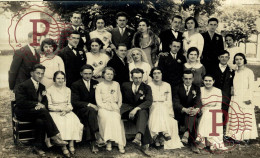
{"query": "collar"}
(71, 47)
(222, 66)
(34, 82)
(32, 49)
(86, 82)
(75, 28)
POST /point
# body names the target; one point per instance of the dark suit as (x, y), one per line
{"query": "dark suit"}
(172, 69)
(63, 42)
(211, 50)
(80, 98)
(72, 64)
(167, 37)
(23, 61)
(26, 100)
(126, 38)
(121, 69)
(181, 100)
(143, 99)
(224, 81)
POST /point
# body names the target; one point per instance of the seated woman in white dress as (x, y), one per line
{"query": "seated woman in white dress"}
(137, 59)
(161, 123)
(96, 58)
(211, 98)
(191, 37)
(109, 101)
(242, 125)
(59, 104)
(50, 60)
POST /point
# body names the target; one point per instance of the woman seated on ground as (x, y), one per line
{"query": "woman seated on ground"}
(51, 61)
(195, 66)
(109, 101)
(137, 59)
(59, 104)
(162, 124)
(211, 98)
(97, 58)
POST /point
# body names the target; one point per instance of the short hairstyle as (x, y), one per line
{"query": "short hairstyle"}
(176, 40)
(73, 32)
(37, 66)
(176, 16)
(191, 18)
(224, 52)
(56, 74)
(153, 69)
(191, 49)
(230, 35)
(98, 17)
(213, 19)
(242, 55)
(86, 66)
(95, 40)
(75, 12)
(209, 75)
(121, 14)
(145, 21)
(137, 70)
(188, 72)
(121, 45)
(108, 68)
(49, 41)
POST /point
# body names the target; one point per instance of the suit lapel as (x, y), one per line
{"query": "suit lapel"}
(138, 94)
(34, 92)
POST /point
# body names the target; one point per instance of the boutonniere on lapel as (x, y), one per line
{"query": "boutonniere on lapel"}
(194, 93)
(94, 86)
(178, 61)
(44, 93)
(100, 63)
(217, 38)
(81, 54)
(82, 31)
(142, 94)
(95, 64)
(112, 91)
(129, 34)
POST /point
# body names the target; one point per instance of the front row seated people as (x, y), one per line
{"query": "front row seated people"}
(31, 105)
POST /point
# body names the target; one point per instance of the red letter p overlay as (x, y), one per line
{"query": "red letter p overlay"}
(35, 32)
(214, 121)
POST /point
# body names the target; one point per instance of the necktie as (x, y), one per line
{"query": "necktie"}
(136, 89)
(121, 31)
(174, 56)
(88, 86)
(37, 86)
(187, 90)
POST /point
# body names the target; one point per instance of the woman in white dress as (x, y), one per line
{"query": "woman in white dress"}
(137, 59)
(161, 123)
(59, 105)
(109, 101)
(242, 122)
(96, 58)
(232, 49)
(102, 34)
(192, 38)
(51, 61)
(211, 98)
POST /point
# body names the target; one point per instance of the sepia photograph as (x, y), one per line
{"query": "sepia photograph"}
(125, 78)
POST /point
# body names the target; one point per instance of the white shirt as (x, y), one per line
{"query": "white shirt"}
(32, 49)
(87, 84)
(175, 33)
(35, 83)
(121, 30)
(222, 67)
(187, 89)
(174, 55)
(135, 88)
(75, 28)
(73, 50)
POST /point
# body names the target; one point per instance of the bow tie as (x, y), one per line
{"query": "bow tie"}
(174, 30)
(223, 66)
(74, 49)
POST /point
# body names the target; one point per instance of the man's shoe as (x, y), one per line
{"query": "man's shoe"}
(39, 152)
(145, 150)
(93, 148)
(195, 149)
(167, 137)
(100, 143)
(184, 140)
(137, 142)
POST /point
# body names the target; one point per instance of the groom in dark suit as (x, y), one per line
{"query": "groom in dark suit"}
(73, 58)
(120, 65)
(224, 75)
(122, 34)
(137, 99)
(23, 61)
(186, 100)
(171, 34)
(31, 104)
(84, 104)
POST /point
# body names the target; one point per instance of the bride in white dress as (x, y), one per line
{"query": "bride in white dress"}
(109, 101)
(59, 104)
(161, 122)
